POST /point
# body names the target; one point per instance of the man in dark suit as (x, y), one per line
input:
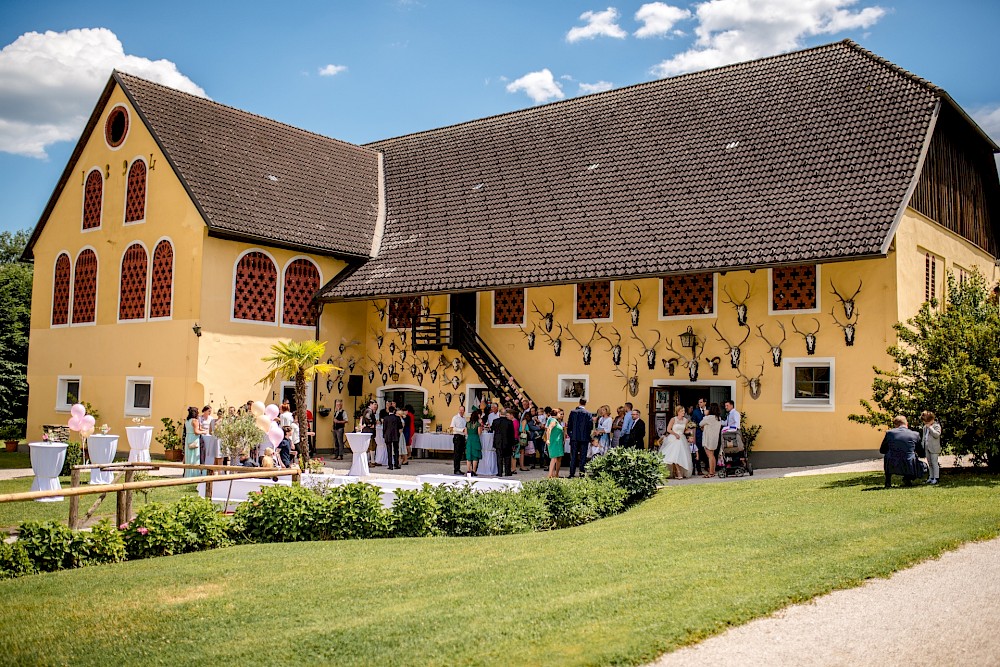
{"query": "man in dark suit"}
(580, 426)
(900, 449)
(637, 438)
(503, 441)
(392, 426)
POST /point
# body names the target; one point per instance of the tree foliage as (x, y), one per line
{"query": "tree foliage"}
(15, 306)
(948, 362)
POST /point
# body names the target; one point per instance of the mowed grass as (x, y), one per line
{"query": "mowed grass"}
(684, 565)
(11, 460)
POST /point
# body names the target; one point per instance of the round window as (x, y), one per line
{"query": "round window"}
(116, 127)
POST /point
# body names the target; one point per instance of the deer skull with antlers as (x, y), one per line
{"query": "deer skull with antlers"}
(381, 310)
(848, 303)
(808, 336)
(733, 351)
(650, 351)
(379, 337)
(447, 397)
(457, 364)
(586, 347)
(753, 383)
(633, 311)
(615, 348)
(425, 363)
(775, 348)
(344, 344)
(548, 320)
(631, 380)
(530, 335)
(849, 327)
(692, 361)
(556, 342)
(740, 305)
(454, 381)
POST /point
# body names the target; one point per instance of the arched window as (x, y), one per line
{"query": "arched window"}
(256, 289)
(162, 288)
(132, 290)
(93, 195)
(135, 197)
(60, 290)
(85, 287)
(301, 282)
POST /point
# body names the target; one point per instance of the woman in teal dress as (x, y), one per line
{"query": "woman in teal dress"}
(192, 442)
(473, 443)
(555, 436)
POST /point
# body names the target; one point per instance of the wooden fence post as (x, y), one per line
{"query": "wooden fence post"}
(129, 476)
(74, 501)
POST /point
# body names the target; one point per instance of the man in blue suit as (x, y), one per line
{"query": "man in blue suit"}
(899, 446)
(580, 426)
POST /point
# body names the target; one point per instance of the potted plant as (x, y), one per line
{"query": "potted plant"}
(11, 435)
(323, 411)
(171, 439)
(238, 434)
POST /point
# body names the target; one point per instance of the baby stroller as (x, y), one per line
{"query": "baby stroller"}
(734, 459)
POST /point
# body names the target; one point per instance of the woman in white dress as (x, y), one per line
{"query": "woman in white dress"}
(710, 427)
(674, 446)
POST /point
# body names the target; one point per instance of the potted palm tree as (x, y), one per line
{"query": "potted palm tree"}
(172, 439)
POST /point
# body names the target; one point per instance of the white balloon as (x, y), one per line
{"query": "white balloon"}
(257, 408)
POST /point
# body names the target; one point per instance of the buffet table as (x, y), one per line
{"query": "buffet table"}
(47, 460)
(102, 449)
(438, 442)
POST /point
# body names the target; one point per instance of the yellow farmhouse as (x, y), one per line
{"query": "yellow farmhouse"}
(749, 233)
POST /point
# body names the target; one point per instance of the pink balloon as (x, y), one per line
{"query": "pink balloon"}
(78, 410)
(275, 435)
(74, 423)
(88, 421)
(272, 411)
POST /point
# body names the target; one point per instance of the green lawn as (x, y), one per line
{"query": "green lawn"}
(684, 565)
(10, 460)
(11, 514)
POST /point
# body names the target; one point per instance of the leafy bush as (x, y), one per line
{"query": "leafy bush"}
(637, 471)
(155, 531)
(279, 514)
(414, 512)
(205, 526)
(51, 546)
(74, 457)
(103, 544)
(576, 502)
(463, 512)
(14, 561)
(354, 512)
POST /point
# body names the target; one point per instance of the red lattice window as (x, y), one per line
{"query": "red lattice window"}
(403, 311)
(135, 201)
(593, 300)
(60, 290)
(793, 287)
(93, 195)
(256, 288)
(85, 287)
(508, 306)
(301, 283)
(132, 289)
(690, 294)
(162, 285)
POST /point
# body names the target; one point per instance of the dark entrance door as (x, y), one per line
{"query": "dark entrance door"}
(464, 304)
(663, 400)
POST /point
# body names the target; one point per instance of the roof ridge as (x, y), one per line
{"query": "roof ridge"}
(893, 66)
(118, 74)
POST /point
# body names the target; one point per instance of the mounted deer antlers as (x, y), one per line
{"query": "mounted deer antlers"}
(850, 328)
(753, 383)
(547, 318)
(633, 311)
(344, 344)
(425, 363)
(615, 348)
(848, 303)
(382, 311)
(650, 351)
(556, 342)
(692, 361)
(775, 349)
(447, 396)
(586, 347)
(733, 351)
(808, 336)
(632, 380)
(530, 335)
(379, 337)
(740, 305)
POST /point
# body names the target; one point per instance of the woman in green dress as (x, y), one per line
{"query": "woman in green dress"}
(555, 436)
(192, 442)
(473, 443)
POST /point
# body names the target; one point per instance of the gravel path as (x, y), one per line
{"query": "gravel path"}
(940, 612)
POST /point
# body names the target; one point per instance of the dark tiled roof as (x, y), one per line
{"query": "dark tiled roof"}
(260, 179)
(801, 157)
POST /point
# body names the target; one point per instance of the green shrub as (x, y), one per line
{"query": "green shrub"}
(205, 526)
(48, 544)
(279, 514)
(354, 512)
(414, 512)
(74, 457)
(463, 512)
(576, 502)
(102, 544)
(14, 561)
(155, 531)
(639, 472)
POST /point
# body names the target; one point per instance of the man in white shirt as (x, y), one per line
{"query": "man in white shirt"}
(458, 439)
(494, 413)
(732, 418)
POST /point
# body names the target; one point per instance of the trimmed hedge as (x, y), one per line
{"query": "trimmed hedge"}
(190, 524)
(576, 502)
(639, 471)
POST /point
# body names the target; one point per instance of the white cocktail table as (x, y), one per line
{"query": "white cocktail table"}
(488, 464)
(359, 443)
(102, 449)
(138, 442)
(47, 460)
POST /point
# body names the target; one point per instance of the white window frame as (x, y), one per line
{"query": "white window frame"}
(611, 303)
(130, 382)
(572, 376)
(145, 201)
(788, 401)
(672, 318)
(69, 302)
(280, 297)
(309, 394)
(83, 201)
(149, 273)
(62, 389)
(493, 310)
(801, 311)
(97, 288)
(469, 389)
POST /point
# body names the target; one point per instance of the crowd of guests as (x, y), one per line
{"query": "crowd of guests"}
(692, 443)
(398, 429)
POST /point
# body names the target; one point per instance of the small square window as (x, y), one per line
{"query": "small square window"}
(812, 382)
(138, 397)
(67, 392)
(808, 384)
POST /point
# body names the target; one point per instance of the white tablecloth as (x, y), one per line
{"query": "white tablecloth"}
(477, 483)
(488, 464)
(102, 449)
(438, 442)
(139, 438)
(212, 450)
(239, 490)
(359, 444)
(381, 453)
(47, 460)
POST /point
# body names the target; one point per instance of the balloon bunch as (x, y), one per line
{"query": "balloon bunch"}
(80, 421)
(265, 421)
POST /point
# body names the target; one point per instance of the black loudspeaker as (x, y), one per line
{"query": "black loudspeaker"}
(354, 385)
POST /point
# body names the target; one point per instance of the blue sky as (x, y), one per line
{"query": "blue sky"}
(398, 66)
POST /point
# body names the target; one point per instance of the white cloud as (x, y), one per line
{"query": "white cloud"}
(332, 70)
(731, 31)
(658, 19)
(49, 83)
(598, 24)
(539, 86)
(599, 87)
